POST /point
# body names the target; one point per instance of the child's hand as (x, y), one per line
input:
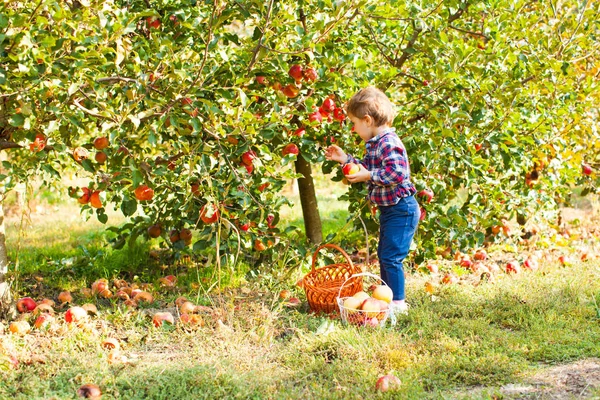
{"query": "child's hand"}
(363, 175)
(335, 153)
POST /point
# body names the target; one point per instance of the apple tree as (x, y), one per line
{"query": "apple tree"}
(190, 117)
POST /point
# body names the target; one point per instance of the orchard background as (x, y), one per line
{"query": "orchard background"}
(187, 121)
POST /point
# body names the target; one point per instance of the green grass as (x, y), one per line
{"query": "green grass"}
(486, 335)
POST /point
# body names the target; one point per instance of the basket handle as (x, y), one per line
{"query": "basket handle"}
(356, 276)
(332, 246)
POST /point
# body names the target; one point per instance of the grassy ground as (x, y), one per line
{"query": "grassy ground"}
(253, 345)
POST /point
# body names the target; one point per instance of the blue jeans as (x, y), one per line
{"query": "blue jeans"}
(397, 226)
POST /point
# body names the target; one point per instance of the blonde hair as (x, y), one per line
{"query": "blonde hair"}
(373, 102)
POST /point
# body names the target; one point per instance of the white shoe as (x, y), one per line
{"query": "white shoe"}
(397, 309)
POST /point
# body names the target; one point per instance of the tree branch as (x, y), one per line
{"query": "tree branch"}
(5, 144)
(405, 53)
(90, 112)
(111, 80)
(458, 13)
(479, 34)
(262, 35)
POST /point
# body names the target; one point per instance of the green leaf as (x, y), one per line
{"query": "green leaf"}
(88, 166)
(16, 120)
(102, 217)
(128, 206)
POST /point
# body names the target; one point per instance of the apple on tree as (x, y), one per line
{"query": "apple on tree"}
(143, 193)
(290, 148)
(586, 169)
(296, 72)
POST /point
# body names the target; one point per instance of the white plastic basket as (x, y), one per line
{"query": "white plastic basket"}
(362, 317)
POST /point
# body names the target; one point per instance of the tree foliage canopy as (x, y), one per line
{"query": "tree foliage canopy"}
(496, 105)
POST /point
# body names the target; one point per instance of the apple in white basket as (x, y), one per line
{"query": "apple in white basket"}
(383, 292)
(361, 295)
(353, 303)
(371, 307)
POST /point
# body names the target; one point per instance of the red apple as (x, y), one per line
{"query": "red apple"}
(270, 219)
(101, 143)
(512, 267)
(426, 194)
(586, 169)
(99, 285)
(100, 157)
(423, 214)
(433, 268)
(39, 143)
(371, 307)
(339, 114)
(259, 246)
(315, 117)
(209, 214)
(174, 235)
(328, 105)
(387, 382)
(185, 234)
(296, 72)
(89, 391)
(75, 315)
(26, 304)
(95, 200)
(153, 22)
(248, 157)
(245, 227)
(480, 255)
(466, 262)
(65, 297)
(80, 154)
(144, 193)
(299, 132)
(161, 317)
(154, 231)
(531, 263)
(290, 148)
(261, 80)
(350, 169)
(43, 320)
(291, 90)
(449, 279)
(310, 74)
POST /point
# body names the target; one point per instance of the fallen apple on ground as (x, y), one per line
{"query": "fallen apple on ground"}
(387, 382)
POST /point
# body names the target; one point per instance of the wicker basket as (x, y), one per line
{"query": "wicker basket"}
(323, 285)
(361, 317)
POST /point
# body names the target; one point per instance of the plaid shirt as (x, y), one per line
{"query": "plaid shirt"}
(390, 171)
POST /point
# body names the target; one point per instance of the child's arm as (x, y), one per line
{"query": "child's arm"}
(335, 153)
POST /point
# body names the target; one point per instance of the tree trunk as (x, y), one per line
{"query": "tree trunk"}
(7, 306)
(308, 199)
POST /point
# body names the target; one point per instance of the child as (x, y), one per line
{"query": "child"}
(386, 170)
